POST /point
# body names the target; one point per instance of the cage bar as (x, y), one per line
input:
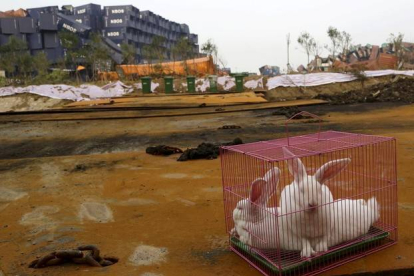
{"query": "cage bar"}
(305, 204)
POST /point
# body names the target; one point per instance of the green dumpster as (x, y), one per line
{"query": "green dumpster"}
(146, 85)
(213, 83)
(169, 84)
(191, 84)
(239, 82)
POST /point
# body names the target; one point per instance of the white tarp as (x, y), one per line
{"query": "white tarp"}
(226, 82)
(202, 85)
(254, 84)
(67, 92)
(316, 79)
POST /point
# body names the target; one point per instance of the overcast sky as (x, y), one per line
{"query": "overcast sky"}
(250, 34)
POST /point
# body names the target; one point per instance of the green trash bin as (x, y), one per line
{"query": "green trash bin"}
(213, 83)
(191, 88)
(146, 85)
(169, 84)
(239, 82)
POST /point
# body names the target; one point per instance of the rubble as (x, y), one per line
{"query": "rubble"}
(289, 112)
(206, 151)
(163, 150)
(399, 90)
(89, 255)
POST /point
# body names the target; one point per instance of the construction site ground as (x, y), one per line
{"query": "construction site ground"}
(66, 183)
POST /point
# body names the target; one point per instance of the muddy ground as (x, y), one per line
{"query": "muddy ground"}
(90, 182)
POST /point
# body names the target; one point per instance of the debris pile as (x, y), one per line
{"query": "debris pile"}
(163, 150)
(89, 255)
(399, 90)
(230, 127)
(289, 112)
(206, 151)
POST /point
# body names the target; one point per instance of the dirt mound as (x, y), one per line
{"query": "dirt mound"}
(401, 89)
(28, 102)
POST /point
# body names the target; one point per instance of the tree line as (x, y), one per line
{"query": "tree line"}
(20, 66)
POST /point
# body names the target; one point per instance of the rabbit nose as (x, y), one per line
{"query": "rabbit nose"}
(312, 205)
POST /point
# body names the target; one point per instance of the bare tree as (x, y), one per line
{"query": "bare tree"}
(335, 37)
(306, 41)
(222, 62)
(210, 49)
(397, 44)
(316, 48)
(345, 41)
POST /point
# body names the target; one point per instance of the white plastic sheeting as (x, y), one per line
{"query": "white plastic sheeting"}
(67, 92)
(154, 86)
(254, 84)
(226, 82)
(316, 79)
(202, 85)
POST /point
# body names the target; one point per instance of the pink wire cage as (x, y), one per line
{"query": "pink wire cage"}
(306, 204)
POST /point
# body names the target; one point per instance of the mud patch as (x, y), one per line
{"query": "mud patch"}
(51, 175)
(212, 256)
(40, 218)
(217, 242)
(145, 255)
(84, 167)
(174, 175)
(10, 166)
(95, 211)
(8, 195)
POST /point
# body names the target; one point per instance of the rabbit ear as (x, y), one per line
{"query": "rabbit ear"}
(258, 187)
(264, 188)
(331, 169)
(295, 166)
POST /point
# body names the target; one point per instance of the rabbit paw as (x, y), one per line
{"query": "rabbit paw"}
(233, 232)
(307, 252)
(246, 238)
(322, 246)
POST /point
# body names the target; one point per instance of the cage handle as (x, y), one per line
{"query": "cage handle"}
(298, 114)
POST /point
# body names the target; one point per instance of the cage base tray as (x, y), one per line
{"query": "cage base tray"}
(286, 268)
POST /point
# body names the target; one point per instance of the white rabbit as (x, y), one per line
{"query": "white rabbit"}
(252, 208)
(258, 226)
(307, 205)
(353, 218)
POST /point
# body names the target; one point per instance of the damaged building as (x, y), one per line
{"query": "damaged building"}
(39, 27)
(369, 57)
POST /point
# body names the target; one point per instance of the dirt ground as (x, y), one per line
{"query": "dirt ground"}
(26, 102)
(69, 183)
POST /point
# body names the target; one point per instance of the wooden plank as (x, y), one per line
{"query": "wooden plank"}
(192, 100)
(139, 113)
